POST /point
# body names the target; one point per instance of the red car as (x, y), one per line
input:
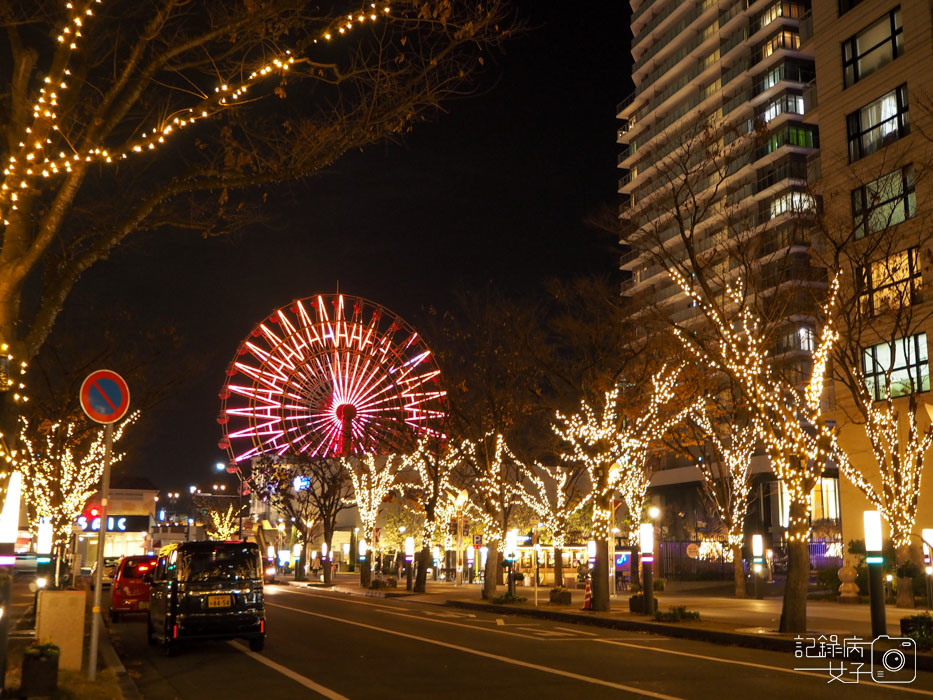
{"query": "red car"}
(130, 591)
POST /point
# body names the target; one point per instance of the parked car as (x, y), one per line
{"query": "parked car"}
(130, 588)
(25, 563)
(106, 580)
(207, 590)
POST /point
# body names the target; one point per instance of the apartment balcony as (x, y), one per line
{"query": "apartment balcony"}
(806, 27)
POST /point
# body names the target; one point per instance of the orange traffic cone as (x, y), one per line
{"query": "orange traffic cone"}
(587, 597)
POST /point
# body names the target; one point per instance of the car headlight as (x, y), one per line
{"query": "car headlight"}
(42, 582)
(270, 571)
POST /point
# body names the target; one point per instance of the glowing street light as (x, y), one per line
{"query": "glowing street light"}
(875, 559)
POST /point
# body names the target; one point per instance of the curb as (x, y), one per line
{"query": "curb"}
(112, 661)
(352, 591)
(924, 660)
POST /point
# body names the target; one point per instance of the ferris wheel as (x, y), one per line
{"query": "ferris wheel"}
(326, 376)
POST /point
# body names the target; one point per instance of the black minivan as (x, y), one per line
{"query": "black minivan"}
(207, 590)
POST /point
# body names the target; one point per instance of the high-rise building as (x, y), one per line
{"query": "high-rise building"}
(874, 84)
(731, 76)
(828, 108)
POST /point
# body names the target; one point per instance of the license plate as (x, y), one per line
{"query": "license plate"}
(143, 605)
(219, 601)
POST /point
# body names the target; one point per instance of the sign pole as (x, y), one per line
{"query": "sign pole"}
(101, 537)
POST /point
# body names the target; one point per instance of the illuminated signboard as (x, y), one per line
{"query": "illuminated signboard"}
(116, 523)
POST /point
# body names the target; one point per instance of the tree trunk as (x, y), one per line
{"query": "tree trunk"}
(325, 563)
(303, 556)
(738, 572)
(424, 562)
(794, 610)
(558, 566)
(599, 585)
(905, 585)
(500, 570)
(366, 570)
(489, 578)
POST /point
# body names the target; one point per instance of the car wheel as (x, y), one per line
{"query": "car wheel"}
(169, 647)
(114, 616)
(257, 643)
(150, 633)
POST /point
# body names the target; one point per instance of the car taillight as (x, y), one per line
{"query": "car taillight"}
(142, 567)
(174, 631)
(262, 626)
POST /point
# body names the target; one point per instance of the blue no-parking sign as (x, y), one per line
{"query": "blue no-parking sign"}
(105, 396)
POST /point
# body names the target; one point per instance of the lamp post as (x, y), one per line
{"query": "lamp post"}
(757, 559)
(511, 544)
(875, 560)
(461, 499)
(927, 536)
(409, 558)
(646, 540)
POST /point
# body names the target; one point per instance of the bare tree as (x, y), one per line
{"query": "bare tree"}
(122, 117)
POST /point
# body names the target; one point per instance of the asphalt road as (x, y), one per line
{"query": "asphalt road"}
(333, 646)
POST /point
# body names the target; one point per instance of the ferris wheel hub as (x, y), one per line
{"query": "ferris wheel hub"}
(346, 412)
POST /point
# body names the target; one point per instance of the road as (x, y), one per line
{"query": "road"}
(333, 646)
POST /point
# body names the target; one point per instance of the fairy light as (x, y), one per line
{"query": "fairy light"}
(45, 115)
(371, 485)
(735, 454)
(553, 505)
(899, 460)
(224, 525)
(61, 471)
(791, 424)
(491, 488)
(431, 469)
(616, 451)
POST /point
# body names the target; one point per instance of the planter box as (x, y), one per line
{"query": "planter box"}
(560, 598)
(40, 675)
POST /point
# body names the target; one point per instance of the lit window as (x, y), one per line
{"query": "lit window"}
(902, 364)
(884, 202)
(878, 123)
(890, 284)
(873, 47)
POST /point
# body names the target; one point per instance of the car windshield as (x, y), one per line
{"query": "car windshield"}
(136, 568)
(223, 562)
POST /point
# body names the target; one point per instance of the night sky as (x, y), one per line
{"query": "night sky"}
(497, 189)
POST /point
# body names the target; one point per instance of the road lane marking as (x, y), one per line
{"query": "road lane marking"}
(285, 671)
(500, 622)
(736, 662)
(576, 631)
(484, 654)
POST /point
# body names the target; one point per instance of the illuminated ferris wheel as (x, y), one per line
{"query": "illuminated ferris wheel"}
(330, 375)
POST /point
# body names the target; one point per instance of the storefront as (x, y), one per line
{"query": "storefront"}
(126, 535)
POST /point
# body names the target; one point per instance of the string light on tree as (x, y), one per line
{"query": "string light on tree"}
(373, 479)
(224, 524)
(790, 421)
(61, 470)
(616, 451)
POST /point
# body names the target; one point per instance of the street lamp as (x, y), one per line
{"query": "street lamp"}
(220, 466)
(646, 540)
(927, 536)
(654, 512)
(511, 544)
(409, 558)
(758, 549)
(875, 559)
(460, 500)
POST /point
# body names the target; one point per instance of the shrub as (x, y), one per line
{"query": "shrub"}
(636, 603)
(829, 579)
(678, 613)
(507, 598)
(920, 629)
(44, 649)
(659, 584)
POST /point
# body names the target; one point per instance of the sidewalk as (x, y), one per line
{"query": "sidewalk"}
(718, 613)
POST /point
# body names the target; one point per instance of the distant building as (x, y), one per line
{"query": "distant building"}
(131, 511)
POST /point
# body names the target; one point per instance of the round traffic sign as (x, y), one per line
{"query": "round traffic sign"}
(693, 550)
(105, 397)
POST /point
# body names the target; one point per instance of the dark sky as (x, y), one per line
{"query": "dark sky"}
(495, 189)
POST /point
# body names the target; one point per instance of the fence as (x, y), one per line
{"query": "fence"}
(714, 559)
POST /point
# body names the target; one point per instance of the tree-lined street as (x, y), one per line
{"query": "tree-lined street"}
(360, 648)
